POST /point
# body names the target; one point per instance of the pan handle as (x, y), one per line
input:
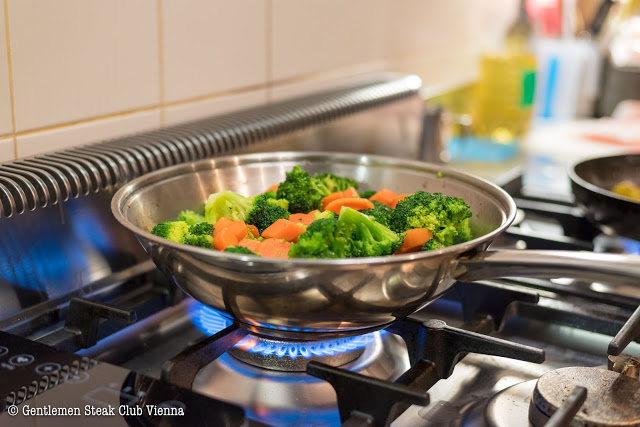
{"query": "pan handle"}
(621, 269)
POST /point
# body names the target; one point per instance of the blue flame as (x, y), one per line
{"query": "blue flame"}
(631, 246)
(210, 321)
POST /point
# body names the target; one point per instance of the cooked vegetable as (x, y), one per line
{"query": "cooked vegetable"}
(324, 215)
(369, 238)
(201, 228)
(357, 204)
(264, 214)
(395, 201)
(251, 244)
(366, 194)
(380, 212)
(240, 250)
(200, 235)
(627, 189)
(273, 188)
(387, 223)
(201, 240)
(283, 203)
(336, 183)
(414, 240)
(190, 217)
(284, 229)
(324, 238)
(253, 210)
(350, 192)
(330, 198)
(303, 191)
(447, 217)
(385, 196)
(225, 238)
(172, 230)
(253, 231)
(432, 245)
(304, 219)
(273, 248)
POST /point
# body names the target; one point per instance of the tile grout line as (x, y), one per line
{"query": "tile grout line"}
(160, 63)
(269, 48)
(88, 120)
(10, 73)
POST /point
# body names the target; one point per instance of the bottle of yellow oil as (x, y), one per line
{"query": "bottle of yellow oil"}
(504, 93)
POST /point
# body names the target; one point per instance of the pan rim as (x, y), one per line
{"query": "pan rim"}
(576, 178)
(127, 191)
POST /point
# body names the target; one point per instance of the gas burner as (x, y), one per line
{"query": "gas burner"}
(612, 399)
(295, 398)
(280, 355)
(293, 356)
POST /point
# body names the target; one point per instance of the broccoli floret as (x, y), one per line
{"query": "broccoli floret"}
(190, 217)
(335, 183)
(240, 250)
(202, 228)
(324, 238)
(446, 217)
(283, 203)
(303, 192)
(367, 193)
(252, 210)
(270, 195)
(325, 215)
(172, 230)
(263, 214)
(369, 238)
(432, 245)
(202, 240)
(200, 235)
(381, 213)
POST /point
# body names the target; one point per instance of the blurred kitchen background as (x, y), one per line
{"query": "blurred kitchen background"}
(511, 82)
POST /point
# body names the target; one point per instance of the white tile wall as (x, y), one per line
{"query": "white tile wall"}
(210, 107)
(6, 149)
(318, 35)
(83, 133)
(77, 59)
(212, 46)
(5, 99)
(87, 70)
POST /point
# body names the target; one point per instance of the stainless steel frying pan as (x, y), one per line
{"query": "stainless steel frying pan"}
(591, 182)
(311, 299)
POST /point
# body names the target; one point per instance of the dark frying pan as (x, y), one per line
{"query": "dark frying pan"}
(592, 180)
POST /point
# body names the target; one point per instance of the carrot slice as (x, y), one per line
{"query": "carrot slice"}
(414, 239)
(350, 192)
(273, 248)
(304, 219)
(358, 204)
(253, 230)
(400, 197)
(283, 229)
(220, 224)
(330, 198)
(224, 238)
(385, 196)
(250, 244)
(297, 217)
(239, 228)
(274, 187)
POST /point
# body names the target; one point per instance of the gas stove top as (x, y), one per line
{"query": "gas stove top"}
(500, 353)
